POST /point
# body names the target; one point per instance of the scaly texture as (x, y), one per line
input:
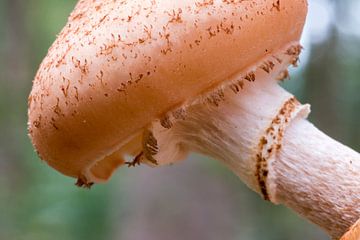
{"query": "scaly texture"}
(268, 144)
(318, 177)
(119, 65)
(241, 124)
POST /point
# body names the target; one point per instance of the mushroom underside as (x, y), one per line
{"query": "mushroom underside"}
(143, 145)
(259, 131)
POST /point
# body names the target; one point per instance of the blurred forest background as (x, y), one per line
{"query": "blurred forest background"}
(197, 199)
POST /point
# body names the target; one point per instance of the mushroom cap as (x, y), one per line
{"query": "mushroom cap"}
(118, 65)
(353, 233)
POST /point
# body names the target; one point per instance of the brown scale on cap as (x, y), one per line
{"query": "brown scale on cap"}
(214, 99)
(236, 87)
(83, 182)
(115, 57)
(166, 122)
(294, 51)
(283, 75)
(250, 77)
(276, 5)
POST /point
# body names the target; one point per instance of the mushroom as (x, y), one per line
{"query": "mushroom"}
(157, 79)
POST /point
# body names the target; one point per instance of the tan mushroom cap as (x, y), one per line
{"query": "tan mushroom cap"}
(353, 233)
(118, 65)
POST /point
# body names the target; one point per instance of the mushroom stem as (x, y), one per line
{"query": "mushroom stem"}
(259, 131)
(318, 177)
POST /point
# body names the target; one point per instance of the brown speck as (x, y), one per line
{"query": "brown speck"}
(211, 33)
(57, 109)
(232, 1)
(263, 141)
(37, 123)
(204, 3)
(283, 75)
(250, 77)
(276, 5)
(175, 17)
(97, 8)
(267, 66)
(150, 146)
(294, 50)
(100, 76)
(102, 19)
(166, 122)
(179, 114)
(76, 93)
(235, 88)
(216, 97)
(139, 78)
(82, 182)
(55, 126)
(65, 89)
(136, 161)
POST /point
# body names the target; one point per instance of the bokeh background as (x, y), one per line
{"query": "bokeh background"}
(196, 199)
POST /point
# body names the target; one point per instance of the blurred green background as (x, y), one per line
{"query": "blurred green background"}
(196, 199)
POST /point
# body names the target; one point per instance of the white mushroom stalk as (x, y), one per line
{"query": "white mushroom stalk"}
(259, 131)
